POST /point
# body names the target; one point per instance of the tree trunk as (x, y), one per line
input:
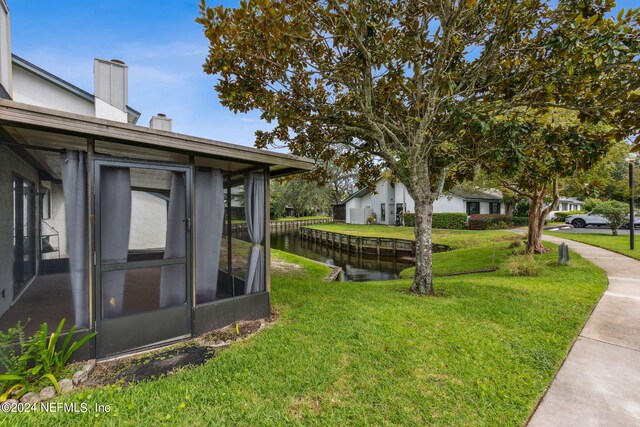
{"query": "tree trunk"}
(535, 226)
(422, 282)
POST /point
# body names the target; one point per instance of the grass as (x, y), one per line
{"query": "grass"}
(467, 259)
(619, 244)
(455, 238)
(480, 353)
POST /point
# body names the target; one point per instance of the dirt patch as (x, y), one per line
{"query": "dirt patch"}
(168, 360)
(230, 334)
(150, 366)
(284, 266)
(303, 404)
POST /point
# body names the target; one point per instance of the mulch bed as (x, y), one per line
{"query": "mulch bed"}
(165, 361)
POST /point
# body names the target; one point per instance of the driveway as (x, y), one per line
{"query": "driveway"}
(589, 230)
(599, 381)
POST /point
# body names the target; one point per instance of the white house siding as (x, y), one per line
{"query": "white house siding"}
(566, 205)
(5, 48)
(57, 221)
(31, 89)
(148, 221)
(109, 112)
(392, 195)
(11, 165)
(449, 203)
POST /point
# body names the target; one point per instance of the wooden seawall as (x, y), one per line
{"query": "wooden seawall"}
(365, 245)
(283, 225)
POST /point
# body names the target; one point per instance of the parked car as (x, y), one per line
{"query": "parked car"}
(582, 220)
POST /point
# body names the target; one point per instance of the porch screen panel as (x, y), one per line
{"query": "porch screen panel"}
(209, 219)
(115, 227)
(254, 210)
(74, 187)
(173, 288)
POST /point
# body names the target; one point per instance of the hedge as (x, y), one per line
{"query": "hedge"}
(448, 220)
(520, 221)
(458, 221)
(561, 216)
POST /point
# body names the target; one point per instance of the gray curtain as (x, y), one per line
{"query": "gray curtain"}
(74, 187)
(209, 220)
(173, 280)
(115, 227)
(254, 205)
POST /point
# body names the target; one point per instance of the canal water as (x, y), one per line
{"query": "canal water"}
(356, 267)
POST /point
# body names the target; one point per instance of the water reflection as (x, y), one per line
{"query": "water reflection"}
(356, 267)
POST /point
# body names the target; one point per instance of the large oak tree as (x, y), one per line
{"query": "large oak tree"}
(411, 85)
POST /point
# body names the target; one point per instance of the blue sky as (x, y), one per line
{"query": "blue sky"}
(160, 42)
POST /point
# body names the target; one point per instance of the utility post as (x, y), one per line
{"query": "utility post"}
(632, 218)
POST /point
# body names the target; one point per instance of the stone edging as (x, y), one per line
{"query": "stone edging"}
(66, 386)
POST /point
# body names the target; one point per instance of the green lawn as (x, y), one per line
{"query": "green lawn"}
(480, 353)
(467, 259)
(453, 238)
(619, 244)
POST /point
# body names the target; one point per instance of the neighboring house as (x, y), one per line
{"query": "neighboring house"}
(390, 200)
(567, 204)
(119, 228)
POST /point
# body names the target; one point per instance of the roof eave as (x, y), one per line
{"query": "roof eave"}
(45, 119)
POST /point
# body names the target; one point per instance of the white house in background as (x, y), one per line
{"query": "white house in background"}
(390, 200)
(567, 204)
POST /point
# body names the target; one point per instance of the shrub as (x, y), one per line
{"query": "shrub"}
(410, 219)
(40, 358)
(520, 221)
(450, 220)
(522, 265)
(447, 220)
(521, 208)
(561, 216)
(617, 213)
(489, 222)
(591, 203)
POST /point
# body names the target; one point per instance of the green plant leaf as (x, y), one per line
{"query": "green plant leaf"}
(53, 380)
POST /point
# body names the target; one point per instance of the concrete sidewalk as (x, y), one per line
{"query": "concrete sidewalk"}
(599, 382)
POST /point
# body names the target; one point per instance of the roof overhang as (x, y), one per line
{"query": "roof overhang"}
(33, 118)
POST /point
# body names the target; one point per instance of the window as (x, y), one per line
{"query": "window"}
(383, 214)
(494, 207)
(473, 208)
(565, 207)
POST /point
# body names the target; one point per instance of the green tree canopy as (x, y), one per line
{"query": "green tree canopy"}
(413, 85)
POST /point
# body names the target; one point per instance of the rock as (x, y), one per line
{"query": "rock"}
(9, 405)
(30, 397)
(80, 377)
(66, 385)
(89, 367)
(47, 393)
